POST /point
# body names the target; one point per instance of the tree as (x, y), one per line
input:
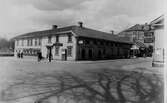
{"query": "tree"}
(6, 44)
(91, 86)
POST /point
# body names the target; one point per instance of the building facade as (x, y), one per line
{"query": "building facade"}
(72, 43)
(139, 33)
(142, 37)
(159, 46)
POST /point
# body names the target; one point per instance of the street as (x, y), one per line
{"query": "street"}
(12, 67)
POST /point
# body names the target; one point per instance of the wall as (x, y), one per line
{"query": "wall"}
(158, 55)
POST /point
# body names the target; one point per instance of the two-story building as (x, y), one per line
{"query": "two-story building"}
(72, 43)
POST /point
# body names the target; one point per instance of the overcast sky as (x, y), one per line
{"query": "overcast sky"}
(21, 16)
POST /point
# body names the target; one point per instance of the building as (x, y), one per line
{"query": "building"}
(72, 43)
(139, 33)
(159, 49)
(142, 38)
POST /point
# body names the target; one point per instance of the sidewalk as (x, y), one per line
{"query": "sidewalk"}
(34, 59)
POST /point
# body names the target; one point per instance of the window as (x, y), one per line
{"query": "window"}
(31, 42)
(49, 39)
(27, 42)
(39, 41)
(36, 42)
(69, 51)
(69, 38)
(22, 43)
(56, 50)
(57, 38)
(17, 42)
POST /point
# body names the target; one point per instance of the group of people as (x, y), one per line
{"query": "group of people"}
(39, 56)
(20, 55)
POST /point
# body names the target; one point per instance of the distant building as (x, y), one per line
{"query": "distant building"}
(159, 49)
(73, 43)
(142, 38)
(138, 33)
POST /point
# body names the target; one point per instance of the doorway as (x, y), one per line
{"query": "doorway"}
(90, 53)
(83, 53)
(64, 54)
(99, 54)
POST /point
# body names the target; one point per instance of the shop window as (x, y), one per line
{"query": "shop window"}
(69, 51)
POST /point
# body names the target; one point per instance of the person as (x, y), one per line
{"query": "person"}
(50, 57)
(21, 54)
(39, 55)
(18, 54)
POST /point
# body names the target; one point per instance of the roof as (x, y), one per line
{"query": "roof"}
(159, 19)
(136, 27)
(80, 32)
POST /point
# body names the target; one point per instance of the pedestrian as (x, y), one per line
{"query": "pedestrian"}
(17, 54)
(39, 55)
(50, 57)
(21, 54)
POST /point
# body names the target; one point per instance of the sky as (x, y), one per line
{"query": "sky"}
(22, 16)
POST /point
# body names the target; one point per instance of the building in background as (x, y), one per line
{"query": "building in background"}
(73, 43)
(158, 32)
(142, 39)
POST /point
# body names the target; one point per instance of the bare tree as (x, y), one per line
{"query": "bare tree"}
(91, 86)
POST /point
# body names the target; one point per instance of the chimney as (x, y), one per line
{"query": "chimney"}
(54, 26)
(112, 32)
(80, 24)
